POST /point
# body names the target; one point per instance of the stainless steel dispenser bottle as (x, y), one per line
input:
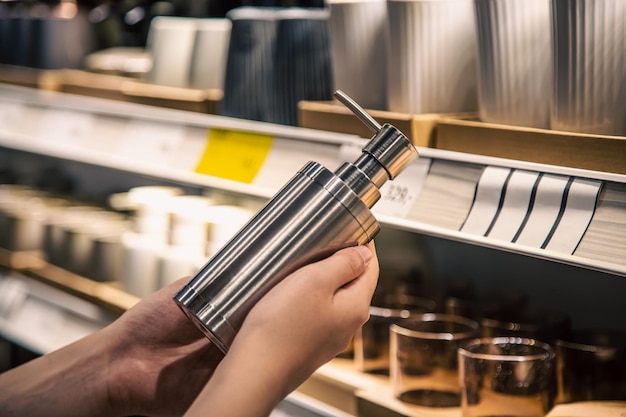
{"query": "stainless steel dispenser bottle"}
(316, 213)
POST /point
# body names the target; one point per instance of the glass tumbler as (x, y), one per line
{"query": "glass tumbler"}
(423, 356)
(506, 376)
(371, 341)
(591, 366)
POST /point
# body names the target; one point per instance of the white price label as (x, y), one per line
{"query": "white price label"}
(399, 195)
(10, 114)
(66, 127)
(151, 142)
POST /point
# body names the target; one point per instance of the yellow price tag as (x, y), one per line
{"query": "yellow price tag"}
(234, 155)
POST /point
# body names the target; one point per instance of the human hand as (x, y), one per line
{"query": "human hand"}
(150, 361)
(300, 324)
(312, 315)
(161, 360)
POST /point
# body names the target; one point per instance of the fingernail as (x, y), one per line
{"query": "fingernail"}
(365, 253)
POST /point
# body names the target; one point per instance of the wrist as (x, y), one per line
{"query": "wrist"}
(48, 386)
(93, 367)
(118, 371)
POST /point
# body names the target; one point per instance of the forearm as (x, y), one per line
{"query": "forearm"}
(68, 382)
(247, 383)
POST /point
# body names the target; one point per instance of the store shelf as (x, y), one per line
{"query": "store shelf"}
(616, 266)
(464, 132)
(334, 117)
(20, 76)
(106, 295)
(586, 151)
(113, 87)
(158, 142)
(181, 147)
(171, 145)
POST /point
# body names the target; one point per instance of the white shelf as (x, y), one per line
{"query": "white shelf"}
(439, 232)
(122, 136)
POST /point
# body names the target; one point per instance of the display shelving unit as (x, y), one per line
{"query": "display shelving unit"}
(104, 146)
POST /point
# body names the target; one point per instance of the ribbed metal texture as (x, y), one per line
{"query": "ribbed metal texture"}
(432, 56)
(358, 46)
(515, 62)
(590, 66)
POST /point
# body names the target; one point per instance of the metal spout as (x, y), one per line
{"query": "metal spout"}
(387, 154)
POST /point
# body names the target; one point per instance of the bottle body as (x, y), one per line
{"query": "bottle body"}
(312, 216)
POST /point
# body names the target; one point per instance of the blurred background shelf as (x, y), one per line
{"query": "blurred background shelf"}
(334, 117)
(466, 133)
(106, 295)
(577, 150)
(21, 76)
(85, 130)
(113, 87)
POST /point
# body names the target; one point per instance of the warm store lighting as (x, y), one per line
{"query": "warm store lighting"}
(67, 9)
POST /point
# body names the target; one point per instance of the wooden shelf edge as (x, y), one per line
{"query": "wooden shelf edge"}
(102, 294)
(105, 295)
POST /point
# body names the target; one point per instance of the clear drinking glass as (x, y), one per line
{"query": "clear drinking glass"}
(507, 377)
(371, 341)
(423, 356)
(591, 366)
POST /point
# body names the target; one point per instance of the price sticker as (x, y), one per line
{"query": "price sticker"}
(399, 195)
(151, 142)
(10, 114)
(66, 127)
(234, 155)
